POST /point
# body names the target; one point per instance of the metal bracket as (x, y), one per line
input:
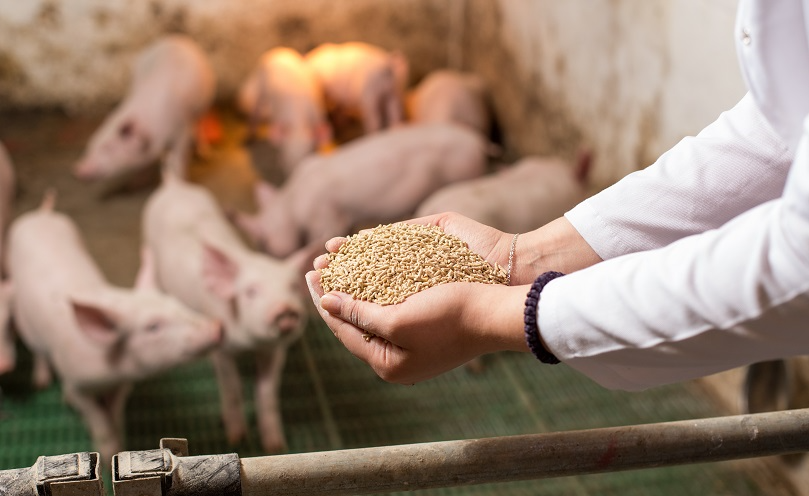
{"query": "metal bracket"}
(169, 471)
(69, 475)
(75, 474)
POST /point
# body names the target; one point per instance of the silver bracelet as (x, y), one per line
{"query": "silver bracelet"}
(511, 259)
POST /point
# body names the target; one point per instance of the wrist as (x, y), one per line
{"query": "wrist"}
(556, 246)
(496, 314)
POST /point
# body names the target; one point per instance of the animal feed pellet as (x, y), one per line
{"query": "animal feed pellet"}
(393, 261)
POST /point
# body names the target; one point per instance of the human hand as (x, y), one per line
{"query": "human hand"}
(429, 333)
(435, 330)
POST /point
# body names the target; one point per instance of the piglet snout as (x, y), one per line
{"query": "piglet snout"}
(287, 321)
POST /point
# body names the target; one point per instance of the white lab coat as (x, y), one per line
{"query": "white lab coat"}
(707, 250)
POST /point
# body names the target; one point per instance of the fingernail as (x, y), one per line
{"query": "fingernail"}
(331, 303)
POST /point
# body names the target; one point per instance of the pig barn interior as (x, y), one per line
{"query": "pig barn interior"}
(624, 79)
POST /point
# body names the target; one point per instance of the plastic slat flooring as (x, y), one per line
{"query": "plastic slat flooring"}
(330, 400)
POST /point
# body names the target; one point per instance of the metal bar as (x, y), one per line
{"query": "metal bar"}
(169, 471)
(456, 463)
(18, 482)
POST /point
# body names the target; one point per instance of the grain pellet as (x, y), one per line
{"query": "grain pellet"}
(393, 261)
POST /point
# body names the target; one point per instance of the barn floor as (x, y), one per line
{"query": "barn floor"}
(330, 400)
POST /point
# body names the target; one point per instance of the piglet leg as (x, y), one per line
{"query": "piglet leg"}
(42, 375)
(370, 109)
(97, 417)
(8, 355)
(116, 403)
(230, 396)
(269, 365)
(393, 111)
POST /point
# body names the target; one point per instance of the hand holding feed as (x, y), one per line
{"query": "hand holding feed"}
(429, 333)
(442, 323)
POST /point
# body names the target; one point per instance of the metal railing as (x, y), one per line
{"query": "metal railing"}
(169, 470)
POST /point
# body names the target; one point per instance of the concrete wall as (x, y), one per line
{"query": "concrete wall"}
(77, 54)
(628, 77)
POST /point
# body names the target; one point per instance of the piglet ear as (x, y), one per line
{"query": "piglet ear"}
(219, 272)
(96, 322)
(146, 279)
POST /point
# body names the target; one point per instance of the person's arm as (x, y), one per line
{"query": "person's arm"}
(734, 164)
(706, 303)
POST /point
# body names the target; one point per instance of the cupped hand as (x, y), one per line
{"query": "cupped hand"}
(430, 333)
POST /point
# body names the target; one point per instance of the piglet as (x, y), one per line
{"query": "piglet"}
(378, 178)
(517, 198)
(201, 260)
(173, 85)
(97, 337)
(7, 189)
(362, 81)
(451, 96)
(282, 91)
(8, 356)
(7, 186)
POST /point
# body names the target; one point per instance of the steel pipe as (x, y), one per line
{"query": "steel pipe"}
(537, 456)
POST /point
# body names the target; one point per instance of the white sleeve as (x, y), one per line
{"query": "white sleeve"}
(734, 164)
(706, 303)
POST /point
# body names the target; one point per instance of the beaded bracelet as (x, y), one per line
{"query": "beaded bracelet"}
(530, 319)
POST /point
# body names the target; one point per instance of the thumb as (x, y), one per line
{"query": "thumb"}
(347, 308)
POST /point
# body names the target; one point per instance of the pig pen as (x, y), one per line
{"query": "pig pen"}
(329, 399)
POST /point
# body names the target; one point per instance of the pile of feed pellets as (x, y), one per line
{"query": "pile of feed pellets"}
(391, 262)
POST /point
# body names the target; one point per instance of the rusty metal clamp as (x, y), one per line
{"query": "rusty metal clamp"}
(75, 474)
(169, 471)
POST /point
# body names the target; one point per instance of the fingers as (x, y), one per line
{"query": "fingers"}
(313, 282)
(321, 262)
(338, 309)
(363, 315)
(334, 244)
(342, 315)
